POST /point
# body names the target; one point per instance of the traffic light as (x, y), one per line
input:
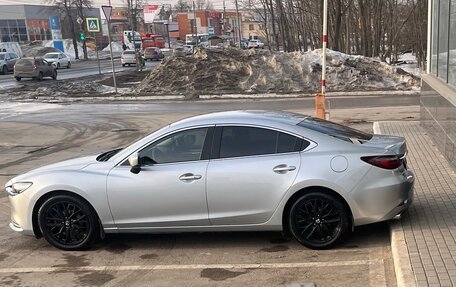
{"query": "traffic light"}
(82, 36)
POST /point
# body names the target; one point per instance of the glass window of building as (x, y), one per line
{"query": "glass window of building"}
(444, 13)
(435, 37)
(452, 58)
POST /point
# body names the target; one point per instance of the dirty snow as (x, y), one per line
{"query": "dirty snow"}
(116, 47)
(256, 71)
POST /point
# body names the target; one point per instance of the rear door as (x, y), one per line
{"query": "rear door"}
(250, 170)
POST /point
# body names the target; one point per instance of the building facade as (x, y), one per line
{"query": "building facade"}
(23, 23)
(438, 92)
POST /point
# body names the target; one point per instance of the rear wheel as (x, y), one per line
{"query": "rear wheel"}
(123, 65)
(68, 222)
(318, 220)
(40, 76)
(18, 78)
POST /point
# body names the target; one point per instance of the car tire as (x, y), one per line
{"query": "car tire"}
(5, 70)
(58, 65)
(40, 76)
(123, 65)
(18, 79)
(69, 65)
(68, 222)
(318, 220)
(54, 75)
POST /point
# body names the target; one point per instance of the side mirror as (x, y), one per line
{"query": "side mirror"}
(133, 160)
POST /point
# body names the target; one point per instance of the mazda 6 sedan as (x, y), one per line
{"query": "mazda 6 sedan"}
(230, 171)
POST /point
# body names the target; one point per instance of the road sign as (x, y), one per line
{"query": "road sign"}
(54, 22)
(93, 25)
(107, 11)
(79, 20)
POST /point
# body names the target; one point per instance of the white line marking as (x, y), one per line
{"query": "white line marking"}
(191, 266)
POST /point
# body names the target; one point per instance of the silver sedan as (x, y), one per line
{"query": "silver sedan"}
(230, 171)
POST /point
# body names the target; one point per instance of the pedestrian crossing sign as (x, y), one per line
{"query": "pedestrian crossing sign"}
(93, 24)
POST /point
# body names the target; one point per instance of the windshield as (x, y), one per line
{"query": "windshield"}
(51, 56)
(107, 155)
(335, 130)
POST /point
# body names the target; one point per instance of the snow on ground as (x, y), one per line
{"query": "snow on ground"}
(13, 47)
(259, 71)
(116, 47)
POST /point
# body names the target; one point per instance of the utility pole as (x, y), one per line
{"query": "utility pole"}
(224, 19)
(238, 23)
(196, 26)
(320, 98)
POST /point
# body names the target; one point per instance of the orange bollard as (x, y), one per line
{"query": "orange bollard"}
(320, 106)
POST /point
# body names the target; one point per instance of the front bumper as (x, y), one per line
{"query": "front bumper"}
(21, 214)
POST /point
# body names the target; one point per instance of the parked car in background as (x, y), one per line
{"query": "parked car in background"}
(256, 44)
(128, 57)
(188, 49)
(228, 171)
(7, 61)
(35, 68)
(153, 54)
(58, 59)
(179, 52)
(244, 44)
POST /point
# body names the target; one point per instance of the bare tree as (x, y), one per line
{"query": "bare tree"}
(80, 5)
(65, 8)
(134, 11)
(182, 6)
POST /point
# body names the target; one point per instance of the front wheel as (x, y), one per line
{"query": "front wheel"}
(40, 76)
(58, 65)
(54, 75)
(68, 222)
(318, 220)
(18, 79)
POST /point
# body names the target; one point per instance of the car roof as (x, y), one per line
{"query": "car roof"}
(243, 116)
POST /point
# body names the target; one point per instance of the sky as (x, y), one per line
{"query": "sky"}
(218, 4)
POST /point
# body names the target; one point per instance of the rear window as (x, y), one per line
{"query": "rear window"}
(335, 130)
(24, 62)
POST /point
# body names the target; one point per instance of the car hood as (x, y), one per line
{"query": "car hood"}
(391, 143)
(71, 164)
(51, 59)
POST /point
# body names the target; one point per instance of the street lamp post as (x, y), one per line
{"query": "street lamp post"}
(107, 11)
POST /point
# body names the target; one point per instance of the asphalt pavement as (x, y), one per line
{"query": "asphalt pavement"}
(79, 69)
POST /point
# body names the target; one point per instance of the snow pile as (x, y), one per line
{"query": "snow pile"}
(116, 47)
(255, 71)
(39, 48)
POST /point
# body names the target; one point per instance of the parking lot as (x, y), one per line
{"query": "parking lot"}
(48, 133)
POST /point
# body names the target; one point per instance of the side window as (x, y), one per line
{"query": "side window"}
(247, 141)
(178, 147)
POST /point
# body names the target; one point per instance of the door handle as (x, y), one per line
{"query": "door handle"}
(189, 177)
(283, 168)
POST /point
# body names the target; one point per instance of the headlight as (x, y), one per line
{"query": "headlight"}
(18, 187)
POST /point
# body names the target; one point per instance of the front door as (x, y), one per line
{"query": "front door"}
(170, 189)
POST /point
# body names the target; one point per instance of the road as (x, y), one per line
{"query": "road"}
(77, 70)
(35, 134)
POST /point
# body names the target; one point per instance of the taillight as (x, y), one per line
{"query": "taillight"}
(34, 66)
(387, 161)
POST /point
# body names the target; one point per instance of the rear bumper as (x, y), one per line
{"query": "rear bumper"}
(383, 199)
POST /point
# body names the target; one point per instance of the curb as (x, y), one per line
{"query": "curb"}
(401, 259)
(304, 95)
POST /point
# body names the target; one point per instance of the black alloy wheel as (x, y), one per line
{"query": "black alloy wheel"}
(318, 220)
(68, 223)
